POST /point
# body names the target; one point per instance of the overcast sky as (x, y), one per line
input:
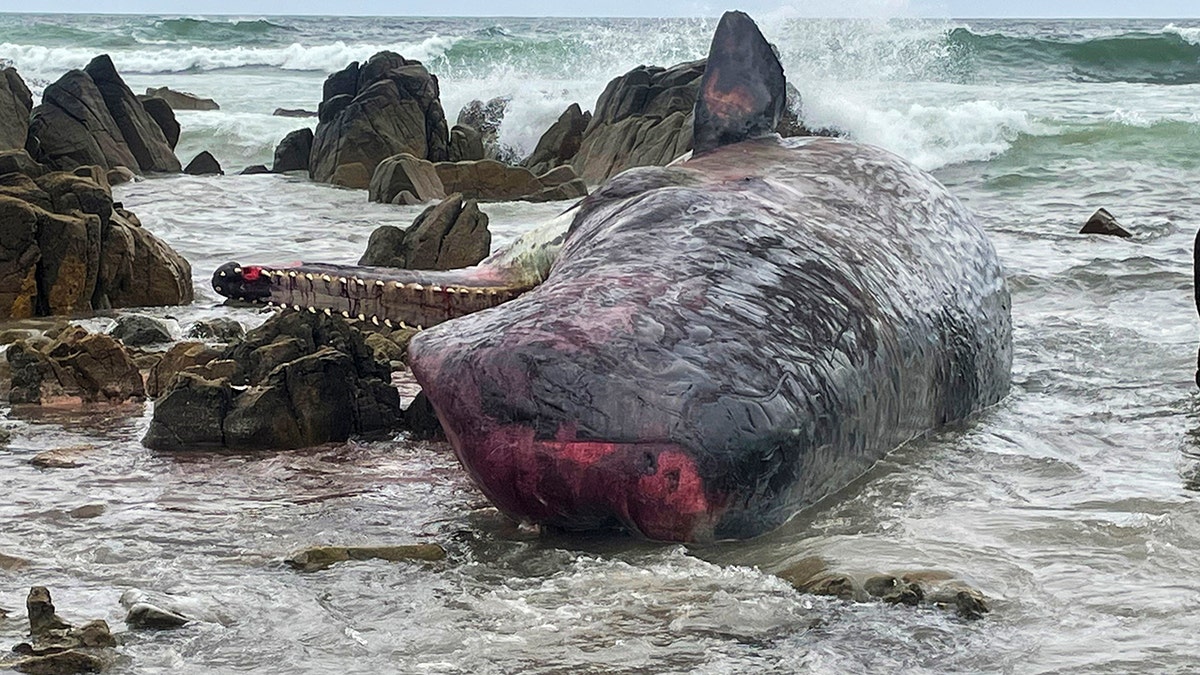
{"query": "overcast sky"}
(870, 8)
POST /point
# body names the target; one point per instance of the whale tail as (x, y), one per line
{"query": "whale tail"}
(743, 90)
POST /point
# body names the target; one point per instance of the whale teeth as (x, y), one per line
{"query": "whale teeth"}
(362, 317)
(416, 287)
(387, 322)
(379, 283)
(360, 282)
(403, 325)
(292, 274)
(345, 314)
(375, 320)
(478, 291)
(223, 274)
(419, 327)
(237, 270)
(312, 310)
(342, 280)
(436, 289)
(326, 278)
(308, 275)
(452, 290)
(296, 307)
(328, 312)
(397, 284)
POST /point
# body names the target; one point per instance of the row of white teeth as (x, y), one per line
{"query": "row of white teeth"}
(345, 315)
(345, 281)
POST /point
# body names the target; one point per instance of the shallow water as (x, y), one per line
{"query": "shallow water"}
(1072, 504)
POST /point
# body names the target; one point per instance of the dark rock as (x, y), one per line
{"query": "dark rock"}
(139, 330)
(143, 135)
(65, 662)
(323, 557)
(466, 144)
(33, 377)
(42, 617)
(405, 173)
(19, 161)
(190, 414)
(254, 170)
(119, 175)
(485, 118)
(292, 152)
(180, 357)
(182, 100)
(449, 235)
(421, 420)
(87, 511)
(388, 106)
(73, 127)
(385, 350)
(561, 141)
(1103, 222)
(138, 269)
(203, 164)
(160, 111)
(572, 189)
(293, 112)
(100, 368)
(487, 179)
(15, 103)
(70, 457)
(312, 379)
(147, 616)
(220, 329)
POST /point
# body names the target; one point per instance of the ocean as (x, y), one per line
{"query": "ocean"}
(1073, 504)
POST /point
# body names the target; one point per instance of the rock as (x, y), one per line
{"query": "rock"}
(73, 127)
(220, 329)
(15, 103)
(138, 269)
(34, 379)
(561, 141)
(293, 112)
(145, 615)
(405, 173)
(70, 457)
(181, 356)
(388, 106)
(160, 111)
(10, 563)
(189, 415)
(203, 164)
(254, 170)
(312, 379)
(487, 179)
(119, 175)
(421, 420)
(323, 557)
(572, 189)
(448, 235)
(139, 330)
(292, 152)
(182, 100)
(61, 663)
(87, 511)
(19, 161)
(644, 118)
(1103, 222)
(485, 119)
(143, 135)
(466, 144)
(42, 616)
(385, 349)
(100, 368)
(5, 435)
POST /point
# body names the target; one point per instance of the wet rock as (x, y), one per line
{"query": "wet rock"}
(147, 616)
(93, 367)
(323, 557)
(87, 511)
(310, 379)
(190, 414)
(254, 170)
(139, 330)
(913, 588)
(491, 180)
(182, 100)
(405, 173)
(389, 105)
(421, 420)
(160, 111)
(15, 103)
(70, 457)
(449, 235)
(466, 144)
(119, 175)
(42, 617)
(220, 329)
(10, 563)
(204, 164)
(385, 349)
(180, 357)
(142, 134)
(485, 118)
(5, 435)
(293, 112)
(73, 127)
(293, 151)
(19, 161)
(1103, 222)
(61, 663)
(561, 141)
(138, 269)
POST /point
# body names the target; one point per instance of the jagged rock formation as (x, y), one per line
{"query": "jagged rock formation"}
(448, 235)
(384, 107)
(15, 103)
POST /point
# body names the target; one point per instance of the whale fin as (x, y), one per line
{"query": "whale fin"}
(742, 91)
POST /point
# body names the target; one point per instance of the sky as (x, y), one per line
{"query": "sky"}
(798, 8)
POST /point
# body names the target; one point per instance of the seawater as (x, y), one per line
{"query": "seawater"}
(1072, 504)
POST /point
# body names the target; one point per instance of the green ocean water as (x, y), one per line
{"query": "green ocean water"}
(1072, 505)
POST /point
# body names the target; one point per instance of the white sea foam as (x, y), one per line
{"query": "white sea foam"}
(1190, 34)
(42, 61)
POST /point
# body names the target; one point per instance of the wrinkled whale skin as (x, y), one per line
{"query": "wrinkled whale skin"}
(723, 342)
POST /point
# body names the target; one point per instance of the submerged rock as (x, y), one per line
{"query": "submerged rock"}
(405, 174)
(292, 152)
(293, 112)
(1103, 222)
(219, 329)
(323, 557)
(182, 100)
(56, 646)
(90, 366)
(139, 330)
(70, 457)
(204, 164)
(145, 615)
